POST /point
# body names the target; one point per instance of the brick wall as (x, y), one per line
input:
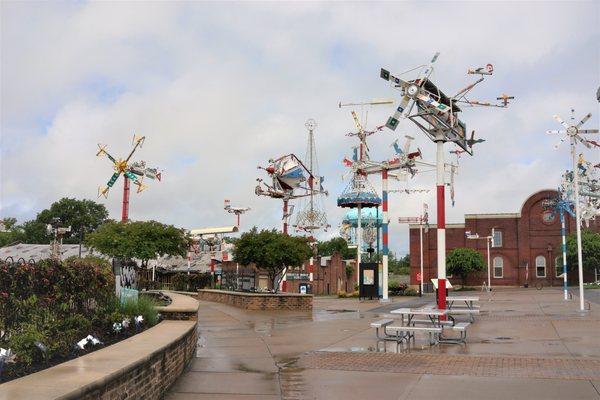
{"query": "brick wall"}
(259, 301)
(525, 236)
(151, 378)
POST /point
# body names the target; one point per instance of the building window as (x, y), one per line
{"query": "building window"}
(498, 267)
(540, 266)
(559, 266)
(497, 239)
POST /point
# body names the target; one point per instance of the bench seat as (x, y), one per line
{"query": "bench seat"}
(460, 327)
(381, 323)
(428, 321)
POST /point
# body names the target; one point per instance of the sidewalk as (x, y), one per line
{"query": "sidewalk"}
(527, 344)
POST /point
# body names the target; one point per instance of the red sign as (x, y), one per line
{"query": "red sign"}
(418, 277)
(225, 256)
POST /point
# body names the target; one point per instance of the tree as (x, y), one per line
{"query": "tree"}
(335, 245)
(399, 266)
(271, 251)
(144, 240)
(9, 222)
(464, 261)
(590, 250)
(12, 232)
(82, 215)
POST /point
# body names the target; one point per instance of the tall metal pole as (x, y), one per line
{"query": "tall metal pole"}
(421, 248)
(578, 222)
(358, 244)
(488, 240)
(125, 210)
(564, 253)
(285, 216)
(441, 221)
(384, 231)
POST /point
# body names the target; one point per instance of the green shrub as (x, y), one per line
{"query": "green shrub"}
(410, 292)
(144, 306)
(22, 343)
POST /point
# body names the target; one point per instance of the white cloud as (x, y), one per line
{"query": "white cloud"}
(220, 88)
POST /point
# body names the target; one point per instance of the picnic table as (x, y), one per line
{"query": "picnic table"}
(432, 313)
(468, 300)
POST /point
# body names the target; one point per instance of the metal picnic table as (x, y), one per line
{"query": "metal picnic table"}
(468, 300)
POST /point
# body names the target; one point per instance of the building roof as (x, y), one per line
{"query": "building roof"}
(212, 231)
(37, 252)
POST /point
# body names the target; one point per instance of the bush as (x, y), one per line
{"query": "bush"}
(190, 283)
(396, 288)
(410, 292)
(58, 304)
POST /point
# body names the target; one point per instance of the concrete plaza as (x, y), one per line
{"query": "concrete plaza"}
(526, 344)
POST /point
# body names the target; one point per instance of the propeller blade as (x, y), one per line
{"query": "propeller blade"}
(429, 100)
(392, 122)
(103, 191)
(407, 144)
(588, 131)
(555, 132)
(584, 119)
(113, 179)
(140, 186)
(560, 121)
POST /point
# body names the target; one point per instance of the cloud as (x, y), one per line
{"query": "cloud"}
(218, 89)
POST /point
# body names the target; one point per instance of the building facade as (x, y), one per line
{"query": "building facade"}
(526, 247)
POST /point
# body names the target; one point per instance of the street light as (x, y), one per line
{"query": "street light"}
(488, 240)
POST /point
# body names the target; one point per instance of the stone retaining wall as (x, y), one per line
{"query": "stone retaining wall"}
(259, 301)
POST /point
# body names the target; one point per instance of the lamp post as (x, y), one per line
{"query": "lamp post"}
(488, 240)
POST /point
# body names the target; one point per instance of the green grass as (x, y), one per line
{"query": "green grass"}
(591, 285)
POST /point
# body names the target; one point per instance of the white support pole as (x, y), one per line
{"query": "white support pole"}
(384, 233)
(564, 254)
(578, 222)
(489, 239)
(358, 245)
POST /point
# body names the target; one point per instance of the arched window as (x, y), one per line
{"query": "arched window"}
(558, 266)
(540, 266)
(498, 267)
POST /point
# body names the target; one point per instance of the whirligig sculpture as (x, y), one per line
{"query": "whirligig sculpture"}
(135, 172)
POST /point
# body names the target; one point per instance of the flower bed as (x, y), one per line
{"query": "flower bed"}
(51, 312)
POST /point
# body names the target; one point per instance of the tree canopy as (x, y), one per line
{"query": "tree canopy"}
(271, 251)
(590, 250)
(335, 245)
(463, 261)
(86, 215)
(144, 240)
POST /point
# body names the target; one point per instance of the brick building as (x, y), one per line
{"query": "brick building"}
(329, 276)
(526, 245)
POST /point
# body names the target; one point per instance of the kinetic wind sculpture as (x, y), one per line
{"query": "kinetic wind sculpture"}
(561, 206)
(235, 210)
(131, 171)
(573, 133)
(435, 114)
(290, 180)
(312, 215)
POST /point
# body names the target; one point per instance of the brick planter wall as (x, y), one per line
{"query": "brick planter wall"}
(259, 301)
(151, 377)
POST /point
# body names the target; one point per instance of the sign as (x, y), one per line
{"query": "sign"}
(128, 295)
(418, 277)
(225, 256)
(303, 289)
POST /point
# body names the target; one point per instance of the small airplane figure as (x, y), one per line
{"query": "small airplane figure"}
(505, 99)
(405, 156)
(471, 141)
(487, 70)
(235, 210)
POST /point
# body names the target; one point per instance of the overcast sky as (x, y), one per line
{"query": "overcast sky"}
(219, 88)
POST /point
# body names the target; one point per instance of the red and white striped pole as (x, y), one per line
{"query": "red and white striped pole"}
(125, 209)
(441, 222)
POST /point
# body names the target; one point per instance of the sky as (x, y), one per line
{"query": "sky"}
(219, 88)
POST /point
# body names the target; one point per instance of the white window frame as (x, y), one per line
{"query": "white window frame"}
(557, 265)
(499, 236)
(540, 257)
(501, 266)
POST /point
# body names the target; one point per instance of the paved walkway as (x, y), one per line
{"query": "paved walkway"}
(526, 344)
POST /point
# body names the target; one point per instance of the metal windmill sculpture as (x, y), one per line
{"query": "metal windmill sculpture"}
(573, 132)
(235, 210)
(435, 114)
(290, 179)
(130, 171)
(312, 217)
(562, 206)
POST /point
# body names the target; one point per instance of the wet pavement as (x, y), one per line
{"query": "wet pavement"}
(526, 344)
